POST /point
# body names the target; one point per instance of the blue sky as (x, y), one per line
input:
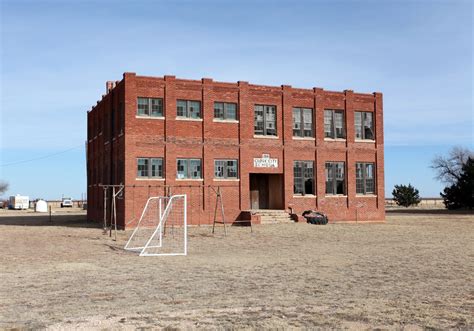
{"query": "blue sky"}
(57, 55)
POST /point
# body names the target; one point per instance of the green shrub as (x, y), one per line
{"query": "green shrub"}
(406, 196)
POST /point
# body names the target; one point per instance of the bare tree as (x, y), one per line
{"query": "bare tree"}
(448, 169)
(3, 187)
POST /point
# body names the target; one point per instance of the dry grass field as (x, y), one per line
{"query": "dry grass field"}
(413, 272)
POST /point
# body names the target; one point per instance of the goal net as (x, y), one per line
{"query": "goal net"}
(162, 228)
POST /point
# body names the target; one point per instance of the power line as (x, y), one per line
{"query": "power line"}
(40, 158)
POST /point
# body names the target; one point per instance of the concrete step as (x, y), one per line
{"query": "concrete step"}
(269, 213)
(273, 216)
(274, 221)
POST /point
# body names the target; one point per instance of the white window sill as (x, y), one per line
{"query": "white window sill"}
(304, 138)
(265, 137)
(216, 120)
(150, 117)
(312, 196)
(145, 178)
(364, 141)
(107, 142)
(226, 179)
(335, 196)
(366, 195)
(189, 179)
(189, 119)
(334, 139)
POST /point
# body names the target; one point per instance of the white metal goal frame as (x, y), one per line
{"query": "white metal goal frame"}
(155, 240)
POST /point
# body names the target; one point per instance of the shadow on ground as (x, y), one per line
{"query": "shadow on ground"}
(72, 220)
(431, 211)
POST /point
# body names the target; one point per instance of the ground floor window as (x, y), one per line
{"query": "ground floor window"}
(149, 167)
(225, 169)
(303, 173)
(188, 169)
(335, 178)
(365, 178)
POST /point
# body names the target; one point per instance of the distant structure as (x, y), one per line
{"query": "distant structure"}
(273, 151)
(41, 206)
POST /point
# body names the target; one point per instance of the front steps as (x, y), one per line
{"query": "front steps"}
(271, 216)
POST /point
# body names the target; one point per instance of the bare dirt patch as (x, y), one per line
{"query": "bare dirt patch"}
(414, 272)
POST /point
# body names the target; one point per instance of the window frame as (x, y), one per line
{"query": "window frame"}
(302, 129)
(149, 108)
(265, 129)
(364, 178)
(333, 132)
(302, 166)
(149, 168)
(334, 180)
(188, 162)
(187, 113)
(225, 116)
(226, 168)
(363, 133)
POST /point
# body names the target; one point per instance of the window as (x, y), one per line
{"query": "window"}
(265, 120)
(225, 111)
(121, 119)
(225, 169)
(335, 178)
(150, 167)
(188, 109)
(334, 124)
(364, 125)
(152, 107)
(365, 175)
(303, 173)
(303, 122)
(188, 169)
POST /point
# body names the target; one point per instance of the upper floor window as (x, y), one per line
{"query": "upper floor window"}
(149, 167)
(152, 107)
(225, 169)
(334, 124)
(364, 125)
(188, 169)
(121, 117)
(265, 120)
(303, 173)
(188, 109)
(303, 122)
(335, 178)
(225, 111)
(365, 178)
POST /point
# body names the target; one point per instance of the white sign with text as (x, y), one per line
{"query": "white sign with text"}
(265, 162)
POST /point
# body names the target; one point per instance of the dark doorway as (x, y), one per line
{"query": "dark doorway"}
(266, 191)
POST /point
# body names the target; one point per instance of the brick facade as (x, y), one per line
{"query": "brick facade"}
(117, 137)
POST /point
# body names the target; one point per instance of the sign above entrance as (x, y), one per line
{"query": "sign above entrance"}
(265, 162)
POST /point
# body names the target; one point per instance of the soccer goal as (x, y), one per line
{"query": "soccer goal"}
(162, 228)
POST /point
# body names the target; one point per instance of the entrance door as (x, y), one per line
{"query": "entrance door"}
(259, 191)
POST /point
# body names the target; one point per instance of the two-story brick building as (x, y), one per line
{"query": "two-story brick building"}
(279, 148)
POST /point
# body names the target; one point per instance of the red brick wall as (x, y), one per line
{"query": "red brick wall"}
(207, 139)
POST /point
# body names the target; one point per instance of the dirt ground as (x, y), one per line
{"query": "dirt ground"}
(413, 272)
